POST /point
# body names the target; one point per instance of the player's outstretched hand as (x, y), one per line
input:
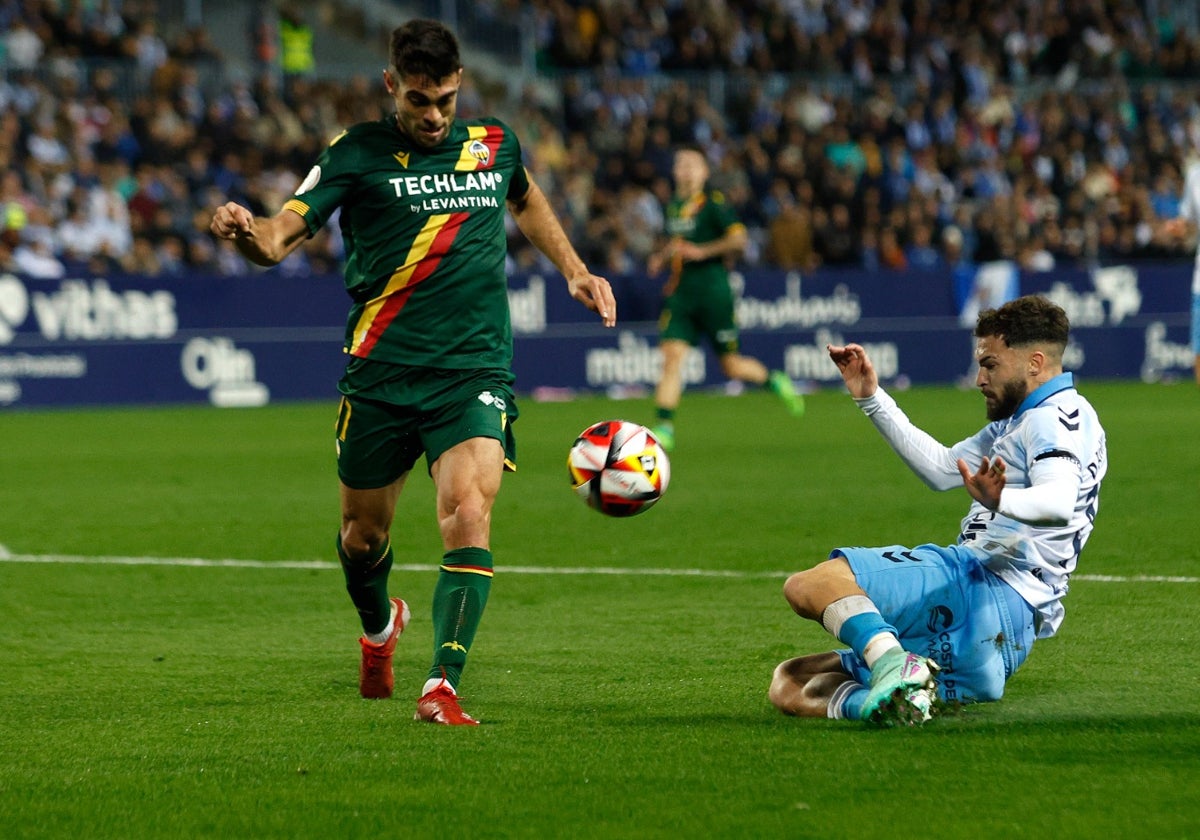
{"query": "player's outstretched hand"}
(596, 294)
(986, 484)
(856, 369)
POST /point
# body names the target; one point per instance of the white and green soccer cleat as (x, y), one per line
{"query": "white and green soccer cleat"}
(903, 689)
(911, 707)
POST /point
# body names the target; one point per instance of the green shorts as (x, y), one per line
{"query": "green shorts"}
(391, 414)
(704, 312)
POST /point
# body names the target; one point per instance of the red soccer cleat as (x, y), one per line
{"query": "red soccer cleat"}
(375, 673)
(440, 705)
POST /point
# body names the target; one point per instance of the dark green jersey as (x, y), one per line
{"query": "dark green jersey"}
(425, 240)
(705, 217)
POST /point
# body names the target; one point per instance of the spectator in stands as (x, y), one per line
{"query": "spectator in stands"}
(142, 258)
(890, 253)
(108, 208)
(22, 45)
(171, 252)
(264, 38)
(296, 37)
(78, 235)
(1185, 227)
(836, 240)
(12, 222)
(34, 255)
(149, 49)
(977, 106)
(1034, 255)
(920, 254)
(790, 238)
(48, 155)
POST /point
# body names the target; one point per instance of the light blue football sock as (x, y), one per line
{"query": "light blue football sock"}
(858, 630)
(847, 701)
(853, 704)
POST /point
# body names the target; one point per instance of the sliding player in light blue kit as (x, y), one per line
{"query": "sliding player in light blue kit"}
(959, 618)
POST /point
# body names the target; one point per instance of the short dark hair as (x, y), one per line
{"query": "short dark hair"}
(425, 48)
(1031, 319)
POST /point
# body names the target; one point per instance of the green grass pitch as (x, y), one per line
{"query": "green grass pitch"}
(623, 692)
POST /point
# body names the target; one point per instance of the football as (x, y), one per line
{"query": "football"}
(618, 467)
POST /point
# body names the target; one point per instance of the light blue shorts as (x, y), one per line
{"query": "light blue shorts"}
(948, 607)
(1196, 324)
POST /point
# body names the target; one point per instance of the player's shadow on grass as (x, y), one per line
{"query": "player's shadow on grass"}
(966, 722)
(1167, 723)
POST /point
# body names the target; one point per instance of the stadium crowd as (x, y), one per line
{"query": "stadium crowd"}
(882, 134)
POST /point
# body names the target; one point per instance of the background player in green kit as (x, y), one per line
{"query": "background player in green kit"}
(703, 233)
(423, 197)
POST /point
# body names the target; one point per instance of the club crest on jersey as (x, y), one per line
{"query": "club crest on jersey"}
(479, 150)
(488, 398)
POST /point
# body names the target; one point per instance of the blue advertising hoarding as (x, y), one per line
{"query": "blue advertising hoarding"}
(270, 337)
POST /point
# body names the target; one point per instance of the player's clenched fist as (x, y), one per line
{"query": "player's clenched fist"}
(231, 220)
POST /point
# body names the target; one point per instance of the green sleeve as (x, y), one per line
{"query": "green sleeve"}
(327, 184)
(724, 215)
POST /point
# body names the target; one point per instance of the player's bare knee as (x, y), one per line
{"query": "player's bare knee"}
(467, 522)
(361, 542)
(673, 353)
(796, 591)
(794, 691)
(782, 689)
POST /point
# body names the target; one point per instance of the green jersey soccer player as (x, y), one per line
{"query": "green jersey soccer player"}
(422, 197)
(702, 233)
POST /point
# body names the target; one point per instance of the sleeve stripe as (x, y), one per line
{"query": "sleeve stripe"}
(1057, 453)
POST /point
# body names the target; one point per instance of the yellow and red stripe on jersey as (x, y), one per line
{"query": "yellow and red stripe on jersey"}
(464, 569)
(428, 248)
(693, 205)
(480, 148)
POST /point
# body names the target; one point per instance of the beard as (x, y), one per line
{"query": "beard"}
(1007, 401)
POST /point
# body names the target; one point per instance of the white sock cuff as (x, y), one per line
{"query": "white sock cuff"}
(837, 613)
(383, 635)
(877, 646)
(434, 682)
(834, 710)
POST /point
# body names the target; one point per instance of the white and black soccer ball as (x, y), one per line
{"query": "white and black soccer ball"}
(618, 467)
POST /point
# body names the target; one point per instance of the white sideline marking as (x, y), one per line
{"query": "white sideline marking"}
(7, 557)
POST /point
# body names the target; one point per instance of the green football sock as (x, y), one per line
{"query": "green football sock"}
(366, 581)
(458, 601)
(666, 416)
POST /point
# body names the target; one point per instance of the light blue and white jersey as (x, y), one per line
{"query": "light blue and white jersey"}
(1189, 209)
(1054, 432)
(1052, 423)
